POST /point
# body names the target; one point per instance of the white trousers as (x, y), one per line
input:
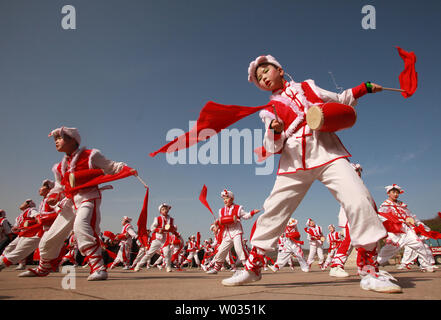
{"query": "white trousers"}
(409, 255)
(344, 184)
(124, 253)
(191, 255)
(141, 252)
(283, 257)
(84, 221)
(330, 256)
(408, 239)
(226, 245)
(315, 248)
(155, 246)
(22, 248)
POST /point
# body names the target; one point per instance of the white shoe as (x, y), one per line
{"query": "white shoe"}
(126, 268)
(97, 275)
(401, 267)
(168, 269)
(379, 284)
(21, 267)
(159, 267)
(338, 272)
(212, 271)
(265, 268)
(28, 274)
(428, 269)
(136, 269)
(273, 268)
(204, 267)
(386, 274)
(241, 277)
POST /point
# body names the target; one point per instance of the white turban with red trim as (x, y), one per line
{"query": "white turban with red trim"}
(71, 132)
(227, 194)
(394, 186)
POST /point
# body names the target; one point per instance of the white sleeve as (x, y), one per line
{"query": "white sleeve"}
(132, 233)
(101, 162)
(269, 143)
(346, 97)
(154, 225)
(244, 214)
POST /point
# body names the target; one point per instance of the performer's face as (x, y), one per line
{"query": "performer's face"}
(393, 194)
(332, 229)
(24, 206)
(311, 223)
(228, 201)
(43, 191)
(269, 77)
(164, 211)
(65, 144)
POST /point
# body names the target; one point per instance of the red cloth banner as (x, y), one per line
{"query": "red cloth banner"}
(203, 198)
(408, 77)
(213, 116)
(142, 221)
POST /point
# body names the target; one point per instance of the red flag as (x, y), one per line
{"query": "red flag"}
(198, 239)
(430, 234)
(142, 221)
(213, 116)
(203, 198)
(408, 77)
(125, 172)
(109, 234)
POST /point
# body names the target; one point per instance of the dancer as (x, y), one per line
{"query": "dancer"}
(6, 234)
(161, 229)
(192, 249)
(80, 207)
(316, 239)
(290, 244)
(306, 156)
(334, 239)
(231, 228)
(126, 237)
(396, 213)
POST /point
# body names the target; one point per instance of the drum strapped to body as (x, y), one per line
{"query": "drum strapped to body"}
(331, 117)
(228, 220)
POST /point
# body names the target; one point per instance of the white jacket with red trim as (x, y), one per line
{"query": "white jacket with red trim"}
(302, 148)
(234, 229)
(82, 159)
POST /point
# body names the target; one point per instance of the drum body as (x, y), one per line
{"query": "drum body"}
(331, 117)
(228, 220)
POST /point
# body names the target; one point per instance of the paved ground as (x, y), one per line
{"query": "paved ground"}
(193, 284)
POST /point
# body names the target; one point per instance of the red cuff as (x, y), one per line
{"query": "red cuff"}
(359, 91)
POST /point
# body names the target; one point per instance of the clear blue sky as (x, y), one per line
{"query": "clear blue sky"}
(132, 70)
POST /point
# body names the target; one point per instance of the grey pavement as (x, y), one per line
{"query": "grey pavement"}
(194, 284)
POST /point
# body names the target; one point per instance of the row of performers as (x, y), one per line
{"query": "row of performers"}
(164, 240)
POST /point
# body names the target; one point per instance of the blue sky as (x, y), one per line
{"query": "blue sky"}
(133, 70)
